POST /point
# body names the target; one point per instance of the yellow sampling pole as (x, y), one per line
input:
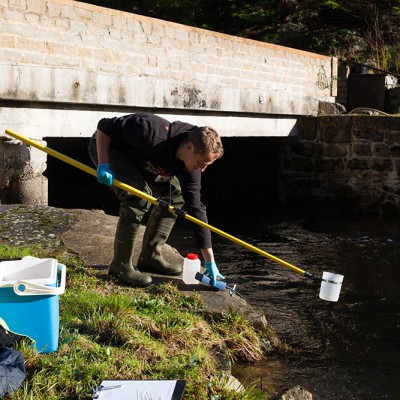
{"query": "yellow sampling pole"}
(157, 202)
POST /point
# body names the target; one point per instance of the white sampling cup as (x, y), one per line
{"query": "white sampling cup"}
(330, 286)
(191, 265)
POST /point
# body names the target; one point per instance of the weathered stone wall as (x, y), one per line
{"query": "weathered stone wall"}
(21, 173)
(344, 163)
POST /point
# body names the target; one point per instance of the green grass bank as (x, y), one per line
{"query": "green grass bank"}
(110, 331)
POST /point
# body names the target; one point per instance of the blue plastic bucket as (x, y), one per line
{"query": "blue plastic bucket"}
(29, 299)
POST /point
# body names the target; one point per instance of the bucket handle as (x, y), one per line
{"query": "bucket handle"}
(27, 288)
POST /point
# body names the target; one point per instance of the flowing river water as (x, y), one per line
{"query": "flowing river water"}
(348, 349)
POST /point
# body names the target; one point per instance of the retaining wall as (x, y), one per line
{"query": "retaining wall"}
(344, 163)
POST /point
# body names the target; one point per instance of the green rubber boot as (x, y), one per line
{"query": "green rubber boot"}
(121, 266)
(157, 231)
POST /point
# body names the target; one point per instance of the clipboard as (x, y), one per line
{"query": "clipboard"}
(140, 390)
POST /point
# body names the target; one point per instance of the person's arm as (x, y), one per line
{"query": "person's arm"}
(104, 173)
(191, 183)
(211, 267)
(207, 254)
(103, 146)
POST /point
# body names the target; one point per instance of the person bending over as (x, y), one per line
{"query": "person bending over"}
(164, 160)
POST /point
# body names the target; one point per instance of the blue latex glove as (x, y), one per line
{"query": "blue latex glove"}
(212, 272)
(104, 174)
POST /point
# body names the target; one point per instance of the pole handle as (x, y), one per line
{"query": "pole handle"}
(205, 279)
(28, 288)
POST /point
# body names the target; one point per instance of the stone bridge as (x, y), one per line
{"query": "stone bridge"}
(65, 64)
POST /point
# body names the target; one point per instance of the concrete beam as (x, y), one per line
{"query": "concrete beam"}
(38, 123)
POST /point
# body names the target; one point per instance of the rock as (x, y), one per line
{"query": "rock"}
(92, 237)
(296, 393)
(234, 384)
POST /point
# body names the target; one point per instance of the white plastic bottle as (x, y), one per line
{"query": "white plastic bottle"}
(191, 265)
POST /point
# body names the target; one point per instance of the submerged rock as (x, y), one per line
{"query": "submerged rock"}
(296, 393)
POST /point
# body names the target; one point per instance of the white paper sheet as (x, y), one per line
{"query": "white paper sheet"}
(135, 390)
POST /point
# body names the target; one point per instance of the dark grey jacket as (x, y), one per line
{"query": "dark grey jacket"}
(12, 370)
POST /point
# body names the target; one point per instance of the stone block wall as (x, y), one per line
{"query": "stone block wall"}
(21, 173)
(344, 163)
(64, 51)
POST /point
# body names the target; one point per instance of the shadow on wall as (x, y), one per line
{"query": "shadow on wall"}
(69, 187)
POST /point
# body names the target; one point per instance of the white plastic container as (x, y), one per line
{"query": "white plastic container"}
(330, 286)
(191, 265)
(29, 299)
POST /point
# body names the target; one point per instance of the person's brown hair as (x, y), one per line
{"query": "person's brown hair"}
(206, 140)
